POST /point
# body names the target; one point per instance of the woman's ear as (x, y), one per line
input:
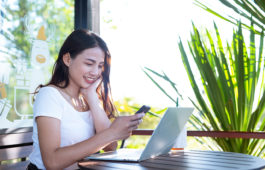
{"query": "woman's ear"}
(67, 59)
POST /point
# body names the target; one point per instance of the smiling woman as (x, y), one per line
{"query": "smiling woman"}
(90, 63)
(72, 111)
(84, 70)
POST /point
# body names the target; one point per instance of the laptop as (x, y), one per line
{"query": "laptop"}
(161, 141)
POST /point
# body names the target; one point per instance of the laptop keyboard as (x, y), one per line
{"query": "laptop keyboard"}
(125, 154)
(134, 153)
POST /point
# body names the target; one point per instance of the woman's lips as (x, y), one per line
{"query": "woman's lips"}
(89, 80)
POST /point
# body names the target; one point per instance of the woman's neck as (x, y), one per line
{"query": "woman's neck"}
(72, 90)
(73, 96)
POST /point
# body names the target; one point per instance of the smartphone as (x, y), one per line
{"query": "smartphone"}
(143, 109)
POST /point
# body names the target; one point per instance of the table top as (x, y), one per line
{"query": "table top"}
(184, 160)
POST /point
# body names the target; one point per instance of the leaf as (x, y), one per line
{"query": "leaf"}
(166, 78)
(247, 11)
(229, 82)
(159, 87)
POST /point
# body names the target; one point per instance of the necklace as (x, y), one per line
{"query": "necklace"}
(78, 103)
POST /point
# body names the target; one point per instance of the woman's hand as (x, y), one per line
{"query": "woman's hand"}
(123, 126)
(90, 93)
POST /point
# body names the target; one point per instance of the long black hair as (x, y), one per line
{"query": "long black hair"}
(78, 41)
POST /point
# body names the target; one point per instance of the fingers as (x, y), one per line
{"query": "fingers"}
(133, 128)
(137, 116)
(133, 125)
(135, 119)
(124, 125)
(97, 82)
(129, 122)
(135, 122)
(93, 86)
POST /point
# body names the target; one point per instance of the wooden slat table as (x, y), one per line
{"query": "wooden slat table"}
(184, 160)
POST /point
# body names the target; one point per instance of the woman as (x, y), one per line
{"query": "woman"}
(72, 112)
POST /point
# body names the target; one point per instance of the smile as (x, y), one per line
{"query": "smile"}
(90, 80)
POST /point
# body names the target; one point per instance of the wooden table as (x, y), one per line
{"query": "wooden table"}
(184, 160)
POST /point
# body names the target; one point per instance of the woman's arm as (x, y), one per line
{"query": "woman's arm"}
(100, 119)
(56, 157)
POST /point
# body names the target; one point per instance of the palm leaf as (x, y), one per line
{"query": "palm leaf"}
(229, 81)
(166, 78)
(162, 89)
(241, 7)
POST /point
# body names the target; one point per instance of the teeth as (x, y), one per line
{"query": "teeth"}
(89, 78)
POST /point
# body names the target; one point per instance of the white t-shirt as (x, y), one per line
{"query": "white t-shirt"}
(75, 126)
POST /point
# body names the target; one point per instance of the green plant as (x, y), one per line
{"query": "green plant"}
(175, 98)
(233, 96)
(249, 9)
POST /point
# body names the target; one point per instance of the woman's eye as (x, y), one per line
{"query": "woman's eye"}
(89, 64)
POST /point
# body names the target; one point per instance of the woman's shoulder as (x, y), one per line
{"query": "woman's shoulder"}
(48, 94)
(48, 103)
(49, 90)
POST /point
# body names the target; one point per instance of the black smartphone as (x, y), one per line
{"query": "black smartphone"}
(144, 109)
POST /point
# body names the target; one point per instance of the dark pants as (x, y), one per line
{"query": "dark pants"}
(31, 166)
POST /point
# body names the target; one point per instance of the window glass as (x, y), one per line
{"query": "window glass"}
(145, 33)
(31, 33)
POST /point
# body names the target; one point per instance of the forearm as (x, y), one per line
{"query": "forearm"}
(66, 156)
(111, 147)
(101, 121)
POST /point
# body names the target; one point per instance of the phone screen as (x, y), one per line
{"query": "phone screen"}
(143, 109)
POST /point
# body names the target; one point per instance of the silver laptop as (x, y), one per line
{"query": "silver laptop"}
(161, 141)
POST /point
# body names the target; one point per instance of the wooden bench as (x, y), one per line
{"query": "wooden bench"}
(15, 147)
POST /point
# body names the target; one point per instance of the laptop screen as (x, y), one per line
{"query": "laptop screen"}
(166, 132)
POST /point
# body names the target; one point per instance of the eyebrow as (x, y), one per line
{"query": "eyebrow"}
(91, 60)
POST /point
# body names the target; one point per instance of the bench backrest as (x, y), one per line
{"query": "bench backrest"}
(14, 150)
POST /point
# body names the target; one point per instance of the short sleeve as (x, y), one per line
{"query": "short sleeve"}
(47, 103)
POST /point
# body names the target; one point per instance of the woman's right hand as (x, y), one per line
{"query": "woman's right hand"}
(123, 126)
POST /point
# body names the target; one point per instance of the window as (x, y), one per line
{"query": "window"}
(31, 33)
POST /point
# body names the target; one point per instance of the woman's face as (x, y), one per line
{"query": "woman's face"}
(87, 67)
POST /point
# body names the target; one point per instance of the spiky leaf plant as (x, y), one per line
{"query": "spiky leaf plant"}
(232, 95)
